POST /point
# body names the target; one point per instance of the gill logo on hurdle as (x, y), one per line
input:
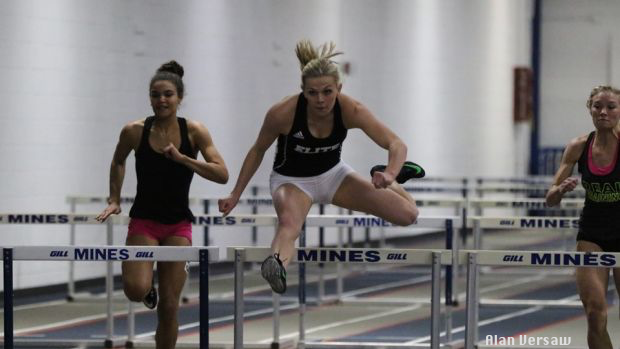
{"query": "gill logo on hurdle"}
(100, 254)
(347, 255)
(561, 259)
(364, 222)
(219, 220)
(562, 223)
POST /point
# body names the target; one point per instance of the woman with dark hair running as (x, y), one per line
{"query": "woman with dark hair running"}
(166, 148)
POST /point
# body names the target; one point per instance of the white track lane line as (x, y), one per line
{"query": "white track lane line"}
(347, 322)
(494, 320)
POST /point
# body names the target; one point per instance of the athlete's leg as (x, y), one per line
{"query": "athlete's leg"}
(398, 189)
(592, 287)
(292, 206)
(138, 275)
(616, 275)
(358, 194)
(172, 276)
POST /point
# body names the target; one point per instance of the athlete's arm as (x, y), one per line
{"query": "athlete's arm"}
(562, 182)
(213, 168)
(126, 143)
(360, 117)
(272, 125)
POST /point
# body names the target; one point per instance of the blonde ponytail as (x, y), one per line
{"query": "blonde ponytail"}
(315, 62)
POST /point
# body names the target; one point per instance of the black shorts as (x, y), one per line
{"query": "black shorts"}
(607, 245)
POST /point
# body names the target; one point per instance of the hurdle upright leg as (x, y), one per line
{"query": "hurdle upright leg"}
(435, 299)
(238, 329)
(471, 324)
(302, 292)
(109, 341)
(71, 281)
(275, 344)
(339, 276)
(8, 297)
(204, 298)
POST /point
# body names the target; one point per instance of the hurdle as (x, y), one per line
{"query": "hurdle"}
(459, 204)
(528, 190)
(352, 221)
(203, 255)
(445, 223)
(530, 179)
(524, 223)
(76, 200)
(567, 207)
(545, 259)
(519, 222)
(435, 258)
(526, 203)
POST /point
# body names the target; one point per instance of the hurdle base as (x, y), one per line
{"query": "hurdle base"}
(275, 345)
(129, 344)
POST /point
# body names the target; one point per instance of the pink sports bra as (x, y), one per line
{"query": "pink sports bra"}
(601, 171)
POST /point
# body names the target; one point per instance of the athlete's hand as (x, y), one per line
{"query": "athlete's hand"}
(382, 180)
(113, 208)
(172, 153)
(227, 204)
(569, 184)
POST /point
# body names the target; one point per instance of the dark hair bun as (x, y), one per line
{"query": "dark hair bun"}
(172, 67)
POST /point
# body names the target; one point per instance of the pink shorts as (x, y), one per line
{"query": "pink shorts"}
(159, 231)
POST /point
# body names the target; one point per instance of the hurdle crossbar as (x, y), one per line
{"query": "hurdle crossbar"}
(112, 253)
(475, 259)
(527, 222)
(526, 203)
(105, 254)
(435, 258)
(250, 201)
(219, 220)
(346, 255)
(523, 189)
(515, 222)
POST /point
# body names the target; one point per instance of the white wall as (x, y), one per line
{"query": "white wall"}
(580, 50)
(439, 73)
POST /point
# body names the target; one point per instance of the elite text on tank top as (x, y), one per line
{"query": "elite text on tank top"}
(163, 184)
(299, 154)
(600, 217)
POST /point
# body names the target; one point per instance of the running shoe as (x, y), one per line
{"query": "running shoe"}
(273, 271)
(150, 300)
(408, 171)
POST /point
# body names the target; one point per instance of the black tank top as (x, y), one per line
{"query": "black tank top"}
(299, 154)
(163, 184)
(600, 217)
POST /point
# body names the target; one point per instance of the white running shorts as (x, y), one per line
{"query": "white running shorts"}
(321, 189)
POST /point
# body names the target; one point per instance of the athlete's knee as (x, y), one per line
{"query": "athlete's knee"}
(167, 309)
(414, 213)
(408, 216)
(135, 290)
(596, 314)
(288, 225)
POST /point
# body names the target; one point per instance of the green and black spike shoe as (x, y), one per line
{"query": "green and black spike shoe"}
(408, 171)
